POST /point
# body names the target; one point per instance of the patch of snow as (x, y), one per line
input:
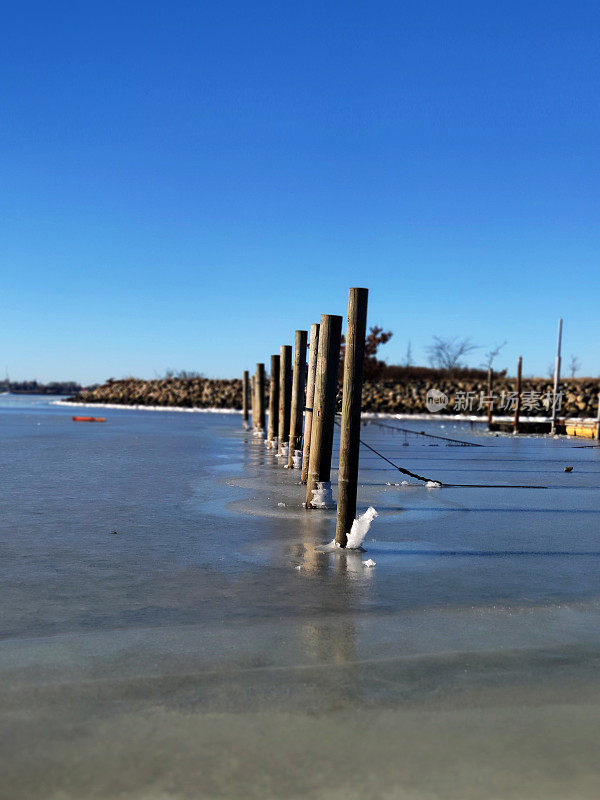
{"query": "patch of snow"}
(433, 485)
(322, 495)
(360, 528)
(369, 562)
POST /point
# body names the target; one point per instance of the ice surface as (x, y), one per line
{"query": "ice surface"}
(174, 642)
(369, 562)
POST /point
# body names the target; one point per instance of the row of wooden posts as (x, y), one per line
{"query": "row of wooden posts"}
(302, 405)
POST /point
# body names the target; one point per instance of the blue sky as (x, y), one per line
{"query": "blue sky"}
(183, 184)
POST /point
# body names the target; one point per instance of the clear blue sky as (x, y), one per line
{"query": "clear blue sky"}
(185, 183)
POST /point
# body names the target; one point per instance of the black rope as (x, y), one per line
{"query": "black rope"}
(400, 469)
(441, 483)
(456, 442)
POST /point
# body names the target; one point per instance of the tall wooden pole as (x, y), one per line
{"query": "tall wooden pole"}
(518, 400)
(598, 420)
(273, 400)
(556, 376)
(260, 397)
(253, 400)
(490, 402)
(351, 408)
(310, 393)
(319, 467)
(245, 415)
(285, 395)
(297, 409)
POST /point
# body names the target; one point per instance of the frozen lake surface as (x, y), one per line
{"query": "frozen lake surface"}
(208, 650)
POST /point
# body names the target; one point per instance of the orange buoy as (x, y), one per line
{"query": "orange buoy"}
(89, 419)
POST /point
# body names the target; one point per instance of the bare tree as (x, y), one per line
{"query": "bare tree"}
(408, 361)
(446, 354)
(550, 371)
(491, 354)
(574, 365)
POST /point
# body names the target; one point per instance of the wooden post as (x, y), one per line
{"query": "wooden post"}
(321, 442)
(297, 409)
(556, 377)
(285, 395)
(489, 391)
(310, 393)
(518, 402)
(351, 407)
(260, 397)
(598, 421)
(273, 400)
(245, 415)
(253, 401)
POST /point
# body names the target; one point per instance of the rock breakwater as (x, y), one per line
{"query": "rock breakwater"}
(579, 396)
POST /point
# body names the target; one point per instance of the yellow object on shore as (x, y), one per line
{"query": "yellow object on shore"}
(584, 429)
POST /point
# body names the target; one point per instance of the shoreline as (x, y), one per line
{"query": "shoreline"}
(365, 414)
(141, 407)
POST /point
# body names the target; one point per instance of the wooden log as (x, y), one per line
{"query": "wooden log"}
(310, 393)
(260, 397)
(518, 400)
(490, 402)
(598, 420)
(245, 414)
(253, 400)
(556, 377)
(351, 408)
(285, 395)
(273, 400)
(297, 407)
(319, 467)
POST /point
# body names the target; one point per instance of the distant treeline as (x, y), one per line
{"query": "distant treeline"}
(33, 387)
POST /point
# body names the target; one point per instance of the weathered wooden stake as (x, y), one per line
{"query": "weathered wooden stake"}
(260, 397)
(253, 400)
(310, 393)
(285, 395)
(518, 400)
(273, 400)
(319, 467)
(556, 377)
(245, 415)
(297, 408)
(351, 407)
(598, 421)
(490, 401)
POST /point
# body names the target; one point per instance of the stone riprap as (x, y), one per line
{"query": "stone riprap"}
(579, 396)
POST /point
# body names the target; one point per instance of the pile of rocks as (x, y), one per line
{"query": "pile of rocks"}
(579, 396)
(183, 392)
